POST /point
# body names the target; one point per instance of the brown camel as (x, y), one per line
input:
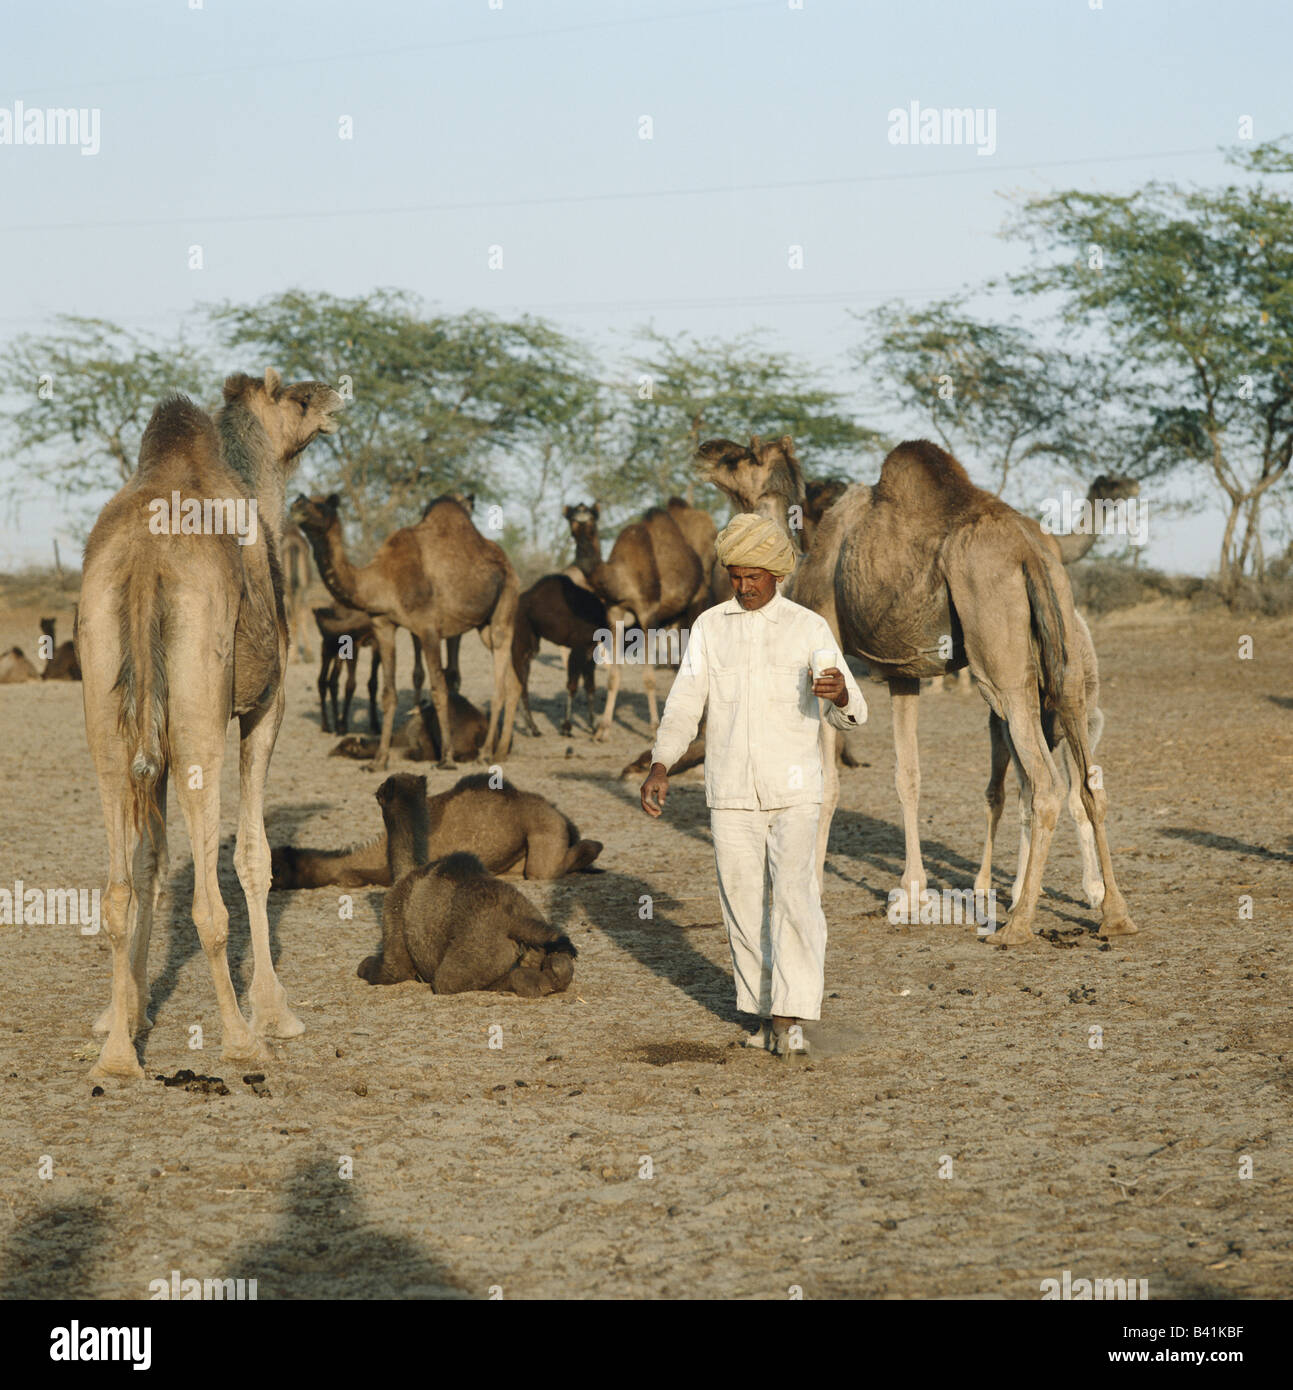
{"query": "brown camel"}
(450, 923)
(507, 828)
(588, 549)
(179, 632)
(61, 663)
(343, 633)
(419, 735)
(296, 581)
(15, 668)
(1103, 495)
(925, 573)
(652, 578)
(558, 610)
(437, 579)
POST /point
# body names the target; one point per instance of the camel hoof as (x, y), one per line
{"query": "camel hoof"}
(1009, 935)
(283, 1023)
(246, 1052)
(1118, 926)
(601, 733)
(125, 1066)
(1094, 896)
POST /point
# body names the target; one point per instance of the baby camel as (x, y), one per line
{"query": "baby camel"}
(452, 924)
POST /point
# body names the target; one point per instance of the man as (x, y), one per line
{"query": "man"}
(750, 660)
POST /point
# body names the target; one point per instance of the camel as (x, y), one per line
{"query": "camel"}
(61, 664)
(295, 556)
(450, 923)
(1103, 490)
(820, 495)
(15, 668)
(437, 579)
(588, 549)
(179, 633)
(343, 633)
(924, 573)
(558, 610)
(652, 578)
(419, 736)
(506, 827)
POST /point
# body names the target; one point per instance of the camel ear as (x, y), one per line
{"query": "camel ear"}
(273, 384)
(596, 511)
(787, 444)
(565, 511)
(334, 501)
(755, 443)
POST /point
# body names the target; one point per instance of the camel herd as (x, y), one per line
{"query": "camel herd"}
(920, 574)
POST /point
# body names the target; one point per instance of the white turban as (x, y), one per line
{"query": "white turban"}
(757, 542)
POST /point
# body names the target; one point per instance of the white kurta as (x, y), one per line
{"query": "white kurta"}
(763, 783)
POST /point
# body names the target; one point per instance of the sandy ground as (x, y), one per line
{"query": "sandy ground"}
(617, 1143)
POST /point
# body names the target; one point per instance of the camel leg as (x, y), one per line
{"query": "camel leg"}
(419, 673)
(1021, 710)
(616, 621)
(384, 631)
(829, 737)
(648, 683)
(1025, 833)
(351, 663)
(904, 695)
(372, 689)
(590, 686)
(1115, 919)
(438, 690)
(523, 676)
(572, 688)
(497, 636)
(995, 797)
(325, 662)
(200, 807)
(270, 1016)
(452, 671)
(1092, 880)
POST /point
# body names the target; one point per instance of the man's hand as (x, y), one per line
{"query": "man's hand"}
(655, 789)
(830, 686)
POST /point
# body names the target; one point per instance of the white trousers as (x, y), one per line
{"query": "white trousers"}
(772, 908)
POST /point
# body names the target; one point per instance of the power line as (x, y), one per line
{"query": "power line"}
(363, 54)
(578, 198)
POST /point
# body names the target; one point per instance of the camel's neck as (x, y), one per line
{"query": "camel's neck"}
(343, 580)
(406, 837)
(246, 450)
(588, 553)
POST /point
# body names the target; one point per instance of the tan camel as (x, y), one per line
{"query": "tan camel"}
(504, 826)
(296, 582)
(179, 632)
(651, 579)
(60, 661)
(1103, 495)
(924, 573)
(450, 922)
(437, 579)
(15, 668)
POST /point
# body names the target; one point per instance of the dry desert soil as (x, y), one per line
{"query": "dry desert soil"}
(616, 1142)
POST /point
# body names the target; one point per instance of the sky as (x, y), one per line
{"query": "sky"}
(518, 124)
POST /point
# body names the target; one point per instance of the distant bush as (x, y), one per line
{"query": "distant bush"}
(1103, 586)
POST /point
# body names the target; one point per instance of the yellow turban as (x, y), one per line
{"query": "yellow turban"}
(756, 541)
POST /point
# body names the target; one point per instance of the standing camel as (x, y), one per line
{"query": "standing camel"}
(1103, 495)
(924, 573)
(437, 579)
(179, 633)
(296, 581)
(557, 609)
(652, 578)
(588, 549)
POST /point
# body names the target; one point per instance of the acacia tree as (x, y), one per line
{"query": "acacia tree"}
(681, 391)
(86, 392)
(1193, 292)
(434, 401)
(992, 394)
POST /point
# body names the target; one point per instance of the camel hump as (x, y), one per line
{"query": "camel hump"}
(459, 867)
(920, 474)
(480, 782)
(177, 425)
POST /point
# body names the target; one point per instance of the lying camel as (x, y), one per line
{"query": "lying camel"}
(61, 663)
(419, 735)
(15, 668)
(504, 826)
(452, 924)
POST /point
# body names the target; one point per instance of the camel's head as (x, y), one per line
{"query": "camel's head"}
(466, 500)
(402, 789)
(315, 515)
(292, 416)
(1114, 489)
(749, 475)
(582, 518)
(821, 495)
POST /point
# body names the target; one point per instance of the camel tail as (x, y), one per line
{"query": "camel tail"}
(1048, 629)
(141, 681)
